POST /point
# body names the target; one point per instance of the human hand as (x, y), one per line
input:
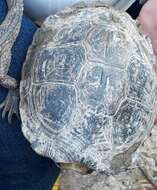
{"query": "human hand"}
(148, 21)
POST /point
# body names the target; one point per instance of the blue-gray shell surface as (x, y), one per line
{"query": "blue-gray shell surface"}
(88, 89)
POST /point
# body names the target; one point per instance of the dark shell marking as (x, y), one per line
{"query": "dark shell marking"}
(88, 92)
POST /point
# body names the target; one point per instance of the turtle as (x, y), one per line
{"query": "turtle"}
(88, 91)
(9, 30)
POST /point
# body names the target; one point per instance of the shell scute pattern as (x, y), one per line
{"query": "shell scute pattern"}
(98, 89)
(130, 117)
(62, 98)
(107, 46)
(72, 34)
(92, 94)
(140, 82)
(59, 64)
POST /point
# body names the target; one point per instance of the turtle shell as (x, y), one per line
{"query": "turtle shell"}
(88, 88)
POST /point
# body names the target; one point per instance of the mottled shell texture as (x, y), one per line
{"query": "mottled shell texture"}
(88, 89)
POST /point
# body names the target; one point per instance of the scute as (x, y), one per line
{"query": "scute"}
(58, 64)
(62, 100)
(54, 105)
(102, 88)
(141, 86)
(109, 46)
(72, 34)
(130, 123)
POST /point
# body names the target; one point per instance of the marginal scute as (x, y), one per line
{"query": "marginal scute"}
(141, 86)
(131, 118)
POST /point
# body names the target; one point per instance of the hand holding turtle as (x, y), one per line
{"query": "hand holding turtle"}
(148, 21)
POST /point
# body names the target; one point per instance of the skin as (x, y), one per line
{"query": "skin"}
(9, 30)
(148, 22)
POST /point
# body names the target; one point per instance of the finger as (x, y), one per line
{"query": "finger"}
(153, 36)
(154, 41)
(146, 24)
